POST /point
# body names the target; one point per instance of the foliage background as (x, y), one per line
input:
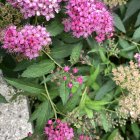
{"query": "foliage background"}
(95, 63)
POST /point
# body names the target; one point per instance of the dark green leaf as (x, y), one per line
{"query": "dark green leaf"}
(39, 69)
(132, 8)
(76, 53)
(64, 92)
(25, 86)
(41, 114)
(138, 20)
(135, 129)
(2, 99)
(55, 27)
(107, 87)
(118, 23)
(136, 35)
(63, 51)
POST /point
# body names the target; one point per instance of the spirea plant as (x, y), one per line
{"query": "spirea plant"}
(78, 63)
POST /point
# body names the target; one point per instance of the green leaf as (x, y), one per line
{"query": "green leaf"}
(76, 53)
(136, 130)
(23, 65)
(68, 38)
(63, 51)
(55, 27)
(118, 23)
(39, 69)
(41, 115)
(2, 99)
(138, 20)
(104, 121)
(107, 87)
(94, 76)
(25, 86)
(72, 102)
(136, 35)
(132, 8)
(123, 43)
(89, 112)
(64, 92)
(113, 134)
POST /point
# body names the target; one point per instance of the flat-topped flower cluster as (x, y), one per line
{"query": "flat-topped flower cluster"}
(31, 8)
(27, 41)
(88, 16)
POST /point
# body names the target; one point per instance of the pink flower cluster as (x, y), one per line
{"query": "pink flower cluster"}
(58, 131)
(27, 41)
(88, 16)
(137, 57)
(31, 8)
(78, 79)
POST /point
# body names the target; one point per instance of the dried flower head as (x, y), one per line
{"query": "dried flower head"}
(113, 3)
(128, 77)
(9, 15)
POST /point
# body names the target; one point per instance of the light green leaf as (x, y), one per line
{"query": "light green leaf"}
(132, 8)
(39, 69)
(55, 27)
(94, 76)
(113, 134)
(2, 99)
(89, 112)
(64, 92)
(76, 53)
(25, 86)
(136, 34)
(118, 23)
(104, 121)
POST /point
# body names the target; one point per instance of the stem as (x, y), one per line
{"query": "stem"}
(35, 19)
(49, 98)
(83, 95)
(52, 59)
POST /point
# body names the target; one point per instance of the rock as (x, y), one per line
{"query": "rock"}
(13, 115)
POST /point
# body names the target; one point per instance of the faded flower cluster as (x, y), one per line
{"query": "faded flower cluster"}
(113, 3)
(28, 41)
(128, 77)
(88, 16)
(31, 8)
(9, 15)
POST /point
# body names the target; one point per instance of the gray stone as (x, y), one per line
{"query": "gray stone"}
(14, 115)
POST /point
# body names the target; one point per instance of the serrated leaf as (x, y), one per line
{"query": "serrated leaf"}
(2, 99)
(41, 114)
(63, 51)
(89, 112)
(107, 87)
(132, 8)
(39, 69)
(76, 53)
(25, 86)
(113, 134)
(138, 20)
(118, 23)
(136, 34)
(64, 92)
(104, 122)
(135, 129)
(55, 27)
(94, 75)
